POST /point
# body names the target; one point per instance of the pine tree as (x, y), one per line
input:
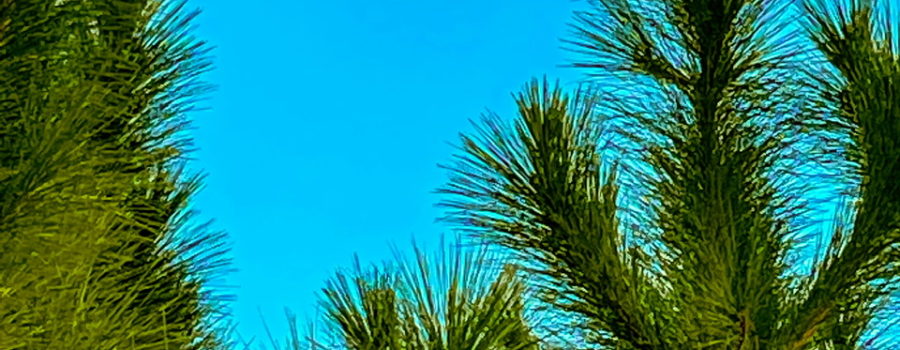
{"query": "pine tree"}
(460, 298)
(665, 206)
(96, 251)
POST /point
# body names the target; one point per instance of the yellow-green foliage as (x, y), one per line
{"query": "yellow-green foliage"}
(91, 96)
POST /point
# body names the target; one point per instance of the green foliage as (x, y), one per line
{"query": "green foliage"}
(454, 300)
(91, 100)
(719, 131)
(459, 298)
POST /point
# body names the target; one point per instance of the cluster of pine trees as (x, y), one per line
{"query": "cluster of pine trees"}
(672, 203)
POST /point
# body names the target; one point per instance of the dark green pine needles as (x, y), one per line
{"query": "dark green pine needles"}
(718, 122)
(676, 202)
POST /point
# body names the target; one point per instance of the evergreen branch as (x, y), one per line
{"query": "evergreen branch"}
(865, 108)
(536, 187)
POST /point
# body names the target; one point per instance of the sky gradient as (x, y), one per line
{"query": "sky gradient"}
(323, 137)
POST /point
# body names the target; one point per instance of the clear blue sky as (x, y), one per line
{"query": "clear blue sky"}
(323, 136)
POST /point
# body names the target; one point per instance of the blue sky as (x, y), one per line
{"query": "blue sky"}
(329, 118)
